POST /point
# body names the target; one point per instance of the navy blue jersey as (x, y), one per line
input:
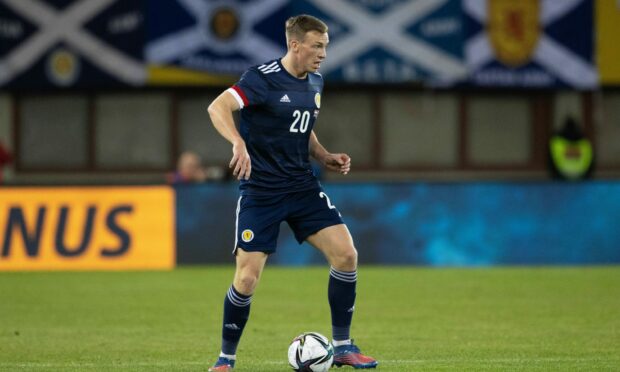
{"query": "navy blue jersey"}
(278, 112)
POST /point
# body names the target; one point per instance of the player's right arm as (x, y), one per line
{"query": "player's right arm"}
(220, 111)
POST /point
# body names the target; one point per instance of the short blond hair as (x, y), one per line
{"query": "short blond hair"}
(298, 26)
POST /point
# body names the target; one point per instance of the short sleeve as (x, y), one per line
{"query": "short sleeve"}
(250, 90)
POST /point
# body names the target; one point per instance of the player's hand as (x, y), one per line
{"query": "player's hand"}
(338, 163)
(240, 162)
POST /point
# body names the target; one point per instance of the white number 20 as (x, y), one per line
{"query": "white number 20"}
(303, 123)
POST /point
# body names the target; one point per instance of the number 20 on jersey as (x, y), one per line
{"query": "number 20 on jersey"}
(300, 124)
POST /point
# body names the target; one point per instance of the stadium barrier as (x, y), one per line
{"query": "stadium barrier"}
(459, 224)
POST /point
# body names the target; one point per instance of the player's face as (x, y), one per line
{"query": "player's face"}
(313, 50)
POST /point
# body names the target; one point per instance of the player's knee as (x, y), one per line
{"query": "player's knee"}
(346, 260)
(246, 283)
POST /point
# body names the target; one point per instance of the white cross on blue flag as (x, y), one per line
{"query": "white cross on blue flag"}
(530, 43)
(79, 43)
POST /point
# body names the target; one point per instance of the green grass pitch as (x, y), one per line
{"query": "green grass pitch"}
(410, 319)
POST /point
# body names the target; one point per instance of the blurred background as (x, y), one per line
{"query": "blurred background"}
(481, 131)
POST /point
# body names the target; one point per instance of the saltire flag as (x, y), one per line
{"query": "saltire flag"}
(212, 41)
(391, 41)
(530, 43)
(71, 43)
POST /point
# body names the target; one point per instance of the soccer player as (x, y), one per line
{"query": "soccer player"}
(280, 102)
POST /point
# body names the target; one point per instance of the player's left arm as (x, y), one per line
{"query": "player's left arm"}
(335, 162)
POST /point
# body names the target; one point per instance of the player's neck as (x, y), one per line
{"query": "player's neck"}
(290, 66)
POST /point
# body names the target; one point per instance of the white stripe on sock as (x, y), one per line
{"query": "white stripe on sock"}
(227, 356)
(340, 343)
(349, 277)
(236, 300)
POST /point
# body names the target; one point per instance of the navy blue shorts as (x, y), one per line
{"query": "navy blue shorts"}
(259, 218)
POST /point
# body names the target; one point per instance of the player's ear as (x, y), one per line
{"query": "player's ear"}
(294, 45)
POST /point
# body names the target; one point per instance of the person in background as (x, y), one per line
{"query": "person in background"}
(191, 170)
(6, 158)
(570, 153)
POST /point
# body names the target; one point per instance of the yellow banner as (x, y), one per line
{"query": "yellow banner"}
(607, 31)
(87, 228)
(169, 75)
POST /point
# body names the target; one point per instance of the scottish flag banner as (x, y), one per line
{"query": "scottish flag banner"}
(212, 41)
(530, 43)
(391, 41)
(71, 43)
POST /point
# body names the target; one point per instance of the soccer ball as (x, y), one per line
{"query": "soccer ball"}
(310, 352)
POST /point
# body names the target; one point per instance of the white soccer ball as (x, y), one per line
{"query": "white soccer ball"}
(311, 352)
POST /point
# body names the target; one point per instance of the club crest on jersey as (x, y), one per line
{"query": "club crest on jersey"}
(247, 235)
(317, 100)
(514, 30)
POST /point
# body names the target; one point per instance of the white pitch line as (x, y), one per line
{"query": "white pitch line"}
(106, 365)
(497, 360)
(284, 363)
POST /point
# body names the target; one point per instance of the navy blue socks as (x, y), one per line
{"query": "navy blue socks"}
(236, 313)
(341, 294)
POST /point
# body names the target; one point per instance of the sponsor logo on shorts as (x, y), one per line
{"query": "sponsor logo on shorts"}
(247, 235)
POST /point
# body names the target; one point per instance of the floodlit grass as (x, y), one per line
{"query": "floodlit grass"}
(408, 318)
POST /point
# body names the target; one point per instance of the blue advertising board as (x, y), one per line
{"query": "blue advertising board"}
(462, 224)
